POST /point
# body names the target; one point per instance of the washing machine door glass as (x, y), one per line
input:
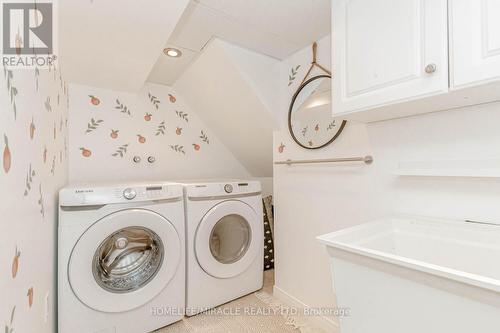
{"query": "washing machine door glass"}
(229, 239)
(127, 259)
(124, 260)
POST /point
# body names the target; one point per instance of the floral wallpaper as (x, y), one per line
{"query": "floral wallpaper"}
(33, 153)
(109, 128)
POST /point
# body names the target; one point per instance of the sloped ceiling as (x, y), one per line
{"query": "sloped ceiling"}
(226, 99)
(114, 44)
(296, 23)
(276, 28)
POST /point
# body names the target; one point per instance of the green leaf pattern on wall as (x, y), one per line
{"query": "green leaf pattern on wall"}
(154, 100)
(12, 90)
(29, 180)
(9, 327)
(204, 137)
(31, 135)
(182, 115)
(140, 131)
(293, 74)
(93, 125)
(331, 125)
(53, 167)
(47, 104)
(178, 149)
(121, 151)
(41, 202)
(161, 129)
(37, 75)
(122, 107)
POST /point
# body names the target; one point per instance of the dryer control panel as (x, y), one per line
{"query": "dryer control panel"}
(87, 196)
(223, 189)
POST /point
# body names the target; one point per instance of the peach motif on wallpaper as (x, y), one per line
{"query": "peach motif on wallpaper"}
(38, 137)
(94, 100)
(142, 137)
(281, 148)
(114, 134)
(7, 156)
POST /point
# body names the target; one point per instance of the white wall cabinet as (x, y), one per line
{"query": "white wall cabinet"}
(388, 50)
(474, 42)
(390, 57)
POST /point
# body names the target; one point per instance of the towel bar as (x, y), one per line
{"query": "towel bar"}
(366, 159)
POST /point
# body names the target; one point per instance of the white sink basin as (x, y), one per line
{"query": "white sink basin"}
(393, 273)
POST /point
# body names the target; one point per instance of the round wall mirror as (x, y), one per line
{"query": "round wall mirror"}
(310, 119)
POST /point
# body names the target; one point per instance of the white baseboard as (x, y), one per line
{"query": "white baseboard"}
(325, 323)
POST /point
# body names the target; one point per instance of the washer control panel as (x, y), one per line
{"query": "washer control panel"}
(223, 189)
(143, 193)
(86, 196)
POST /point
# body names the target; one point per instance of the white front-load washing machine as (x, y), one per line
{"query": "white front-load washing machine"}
(121, 262)
(224, 242)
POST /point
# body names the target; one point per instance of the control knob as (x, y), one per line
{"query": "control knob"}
(129, 193)
(228, 188)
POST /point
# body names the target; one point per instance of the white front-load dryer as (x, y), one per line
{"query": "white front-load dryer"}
(121, 262)
(225, 242)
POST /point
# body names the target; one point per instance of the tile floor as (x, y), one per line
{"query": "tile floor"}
(267, 319)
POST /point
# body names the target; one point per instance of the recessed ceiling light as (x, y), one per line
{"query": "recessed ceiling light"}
(171, 52)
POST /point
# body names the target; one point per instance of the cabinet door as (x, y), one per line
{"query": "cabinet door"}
(388, 51)
(474, 42)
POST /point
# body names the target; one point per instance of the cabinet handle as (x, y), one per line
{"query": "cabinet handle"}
(430, 68)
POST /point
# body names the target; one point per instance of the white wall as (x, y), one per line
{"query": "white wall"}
(211, 160)
(316, 199)
(228, 103)
(28, 205)
(261, 72)
(312, 200)
(451, 137)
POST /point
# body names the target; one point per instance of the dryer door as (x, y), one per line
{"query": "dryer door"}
(228, 239)
(124, 260)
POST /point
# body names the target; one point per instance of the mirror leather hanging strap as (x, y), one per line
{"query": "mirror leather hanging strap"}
(314, 63)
